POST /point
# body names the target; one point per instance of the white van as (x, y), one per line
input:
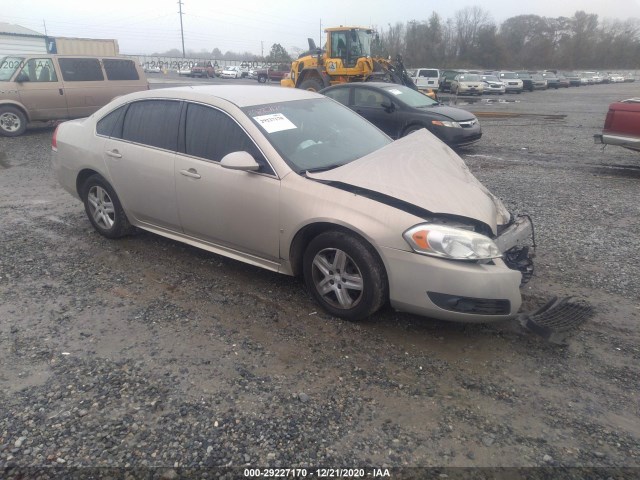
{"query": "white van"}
(426, 78)
(60, 87)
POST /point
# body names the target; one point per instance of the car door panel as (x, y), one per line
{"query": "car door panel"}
(368, 104)
(140, 157)
(233, 208)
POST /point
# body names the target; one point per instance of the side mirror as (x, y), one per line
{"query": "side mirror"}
(22, 77)
(240, 161)
(388, 106)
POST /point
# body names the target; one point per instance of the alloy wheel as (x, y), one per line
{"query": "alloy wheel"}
(337, 278)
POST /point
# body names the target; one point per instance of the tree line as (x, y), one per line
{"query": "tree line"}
(472, 39)
(277, 54)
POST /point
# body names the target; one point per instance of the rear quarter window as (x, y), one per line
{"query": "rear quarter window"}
(81, 69)
(111, 124)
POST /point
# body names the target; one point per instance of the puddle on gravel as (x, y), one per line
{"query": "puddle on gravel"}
(627, 171)
(4, 163)
(477, 101)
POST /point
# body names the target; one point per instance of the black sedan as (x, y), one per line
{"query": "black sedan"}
(398, 110)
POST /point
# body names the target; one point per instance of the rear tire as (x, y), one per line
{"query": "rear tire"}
(312, 84)
(262, 79)
(13, 122)
(104, 209)
(344, 275)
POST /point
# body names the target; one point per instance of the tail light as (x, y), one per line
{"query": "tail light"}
(54, 139)
(608, 122)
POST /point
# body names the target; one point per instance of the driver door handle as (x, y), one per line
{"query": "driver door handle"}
(192, 173)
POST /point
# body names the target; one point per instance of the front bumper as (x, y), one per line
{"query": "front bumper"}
(457, 290)
(416, 281)
(458, 137)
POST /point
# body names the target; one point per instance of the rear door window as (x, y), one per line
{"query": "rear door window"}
(428, 73)
(118, 69)
(154, 123)
(363, 97)
(81, 69)
(340, 95)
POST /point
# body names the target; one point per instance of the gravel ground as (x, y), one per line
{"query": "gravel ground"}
(144, 352)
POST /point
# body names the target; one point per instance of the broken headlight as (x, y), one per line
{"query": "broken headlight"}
(449, 242)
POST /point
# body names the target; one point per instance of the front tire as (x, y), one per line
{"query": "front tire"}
(312, 84)
(104, 209)
(262, 79)
(13, 122)
(345, 275)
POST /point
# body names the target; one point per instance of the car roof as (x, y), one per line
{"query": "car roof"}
(240, 95)
(366, 84)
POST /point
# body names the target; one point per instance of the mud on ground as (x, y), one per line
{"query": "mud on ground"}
(147, 352)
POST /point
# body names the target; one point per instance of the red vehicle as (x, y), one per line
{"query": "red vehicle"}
(622, 125)
(274, 73)
(202, 70)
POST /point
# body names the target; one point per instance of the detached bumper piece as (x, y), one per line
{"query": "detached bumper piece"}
(556, 320)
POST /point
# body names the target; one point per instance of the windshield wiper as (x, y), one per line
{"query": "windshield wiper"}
(321, 169)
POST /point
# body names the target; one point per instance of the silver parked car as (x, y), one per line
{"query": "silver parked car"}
(294, 182)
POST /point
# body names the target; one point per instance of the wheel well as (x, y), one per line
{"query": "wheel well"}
(412, 125)
(310, 73)
(82, 177)
(308, 233)
(17, 107)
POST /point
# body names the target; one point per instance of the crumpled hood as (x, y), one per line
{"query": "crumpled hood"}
(423, 171)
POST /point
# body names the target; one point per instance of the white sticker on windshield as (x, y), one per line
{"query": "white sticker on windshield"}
(276, 122)
(395, 91)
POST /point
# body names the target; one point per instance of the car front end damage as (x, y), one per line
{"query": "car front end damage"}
(473, 291)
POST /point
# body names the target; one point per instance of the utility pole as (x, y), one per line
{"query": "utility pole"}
(45, 27)
(181, 29)
(262, 49)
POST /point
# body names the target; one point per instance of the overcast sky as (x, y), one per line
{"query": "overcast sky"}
(146, 26)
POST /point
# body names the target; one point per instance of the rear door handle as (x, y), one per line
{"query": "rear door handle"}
(114, 153)
(192, 173)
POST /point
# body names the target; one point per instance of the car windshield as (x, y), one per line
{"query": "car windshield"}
(509, 75)
(537, 76)
(469, 77)
(524, 75)
(8, 66)
(409, 96)
(490, 78)
(316, 134)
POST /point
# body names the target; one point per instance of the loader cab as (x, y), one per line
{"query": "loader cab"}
(349, 44)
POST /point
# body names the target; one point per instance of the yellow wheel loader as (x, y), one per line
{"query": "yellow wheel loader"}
(346, 58)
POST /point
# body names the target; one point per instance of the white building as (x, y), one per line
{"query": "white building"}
(15, 40)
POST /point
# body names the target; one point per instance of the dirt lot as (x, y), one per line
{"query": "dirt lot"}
(144, 352)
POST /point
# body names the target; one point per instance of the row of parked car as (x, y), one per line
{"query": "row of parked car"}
(477, 82)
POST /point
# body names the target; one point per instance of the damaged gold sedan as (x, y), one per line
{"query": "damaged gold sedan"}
(294, 182)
